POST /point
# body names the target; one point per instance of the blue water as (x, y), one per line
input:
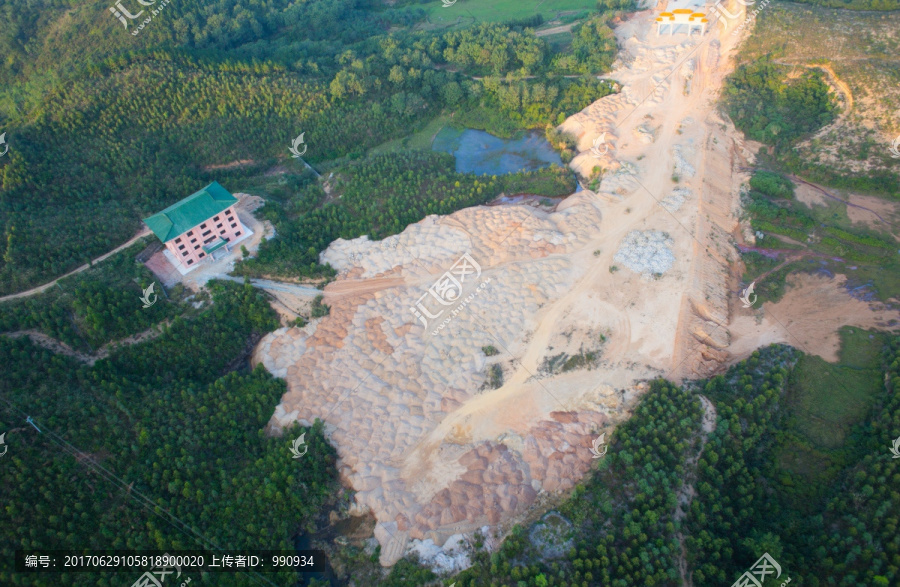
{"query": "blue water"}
(484, 154)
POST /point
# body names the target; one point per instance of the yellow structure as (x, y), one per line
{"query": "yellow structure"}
(681, 16)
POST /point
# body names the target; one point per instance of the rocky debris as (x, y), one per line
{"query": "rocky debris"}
(682, 167)
(646, 252)
(451, 558)
(552, 535)
(382, 382)
(674, 201)
(645, 134)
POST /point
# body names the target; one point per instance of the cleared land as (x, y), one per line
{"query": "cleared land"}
(439, 439)
(862, 62)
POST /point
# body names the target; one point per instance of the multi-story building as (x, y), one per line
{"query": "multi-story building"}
(197, 226)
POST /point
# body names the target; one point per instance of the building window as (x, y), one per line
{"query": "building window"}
(209, 240)
(206, 233)
(238, 233)
(178, 240)
(219, 225)
(184, 254)
(202, 255)
(216, 219)
(222, 231)
(193, 240)
(190, 261)
(190, 233)
(233, 224)
(180, 247)
(228, 212)
(196, 247)
(227, 240)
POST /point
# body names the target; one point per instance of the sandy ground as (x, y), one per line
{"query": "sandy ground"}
(440, 434)
(810, 195)
(429, 446)
(869, 206)
(808, 318)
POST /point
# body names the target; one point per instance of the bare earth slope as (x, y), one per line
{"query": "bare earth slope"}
(430, 448)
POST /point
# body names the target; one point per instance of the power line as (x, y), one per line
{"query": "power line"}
(143, 500)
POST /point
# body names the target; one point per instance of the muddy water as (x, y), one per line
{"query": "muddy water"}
(484, 154)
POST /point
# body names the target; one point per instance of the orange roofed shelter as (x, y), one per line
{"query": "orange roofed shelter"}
(681, 16)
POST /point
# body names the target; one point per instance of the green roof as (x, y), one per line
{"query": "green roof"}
(215, 247)
(195, 209)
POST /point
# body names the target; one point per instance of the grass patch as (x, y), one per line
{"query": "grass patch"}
(863, 254)
(420, 140)
(467, 12)
(559, 42)
(495, 377)
(829, 399)
(318, 309)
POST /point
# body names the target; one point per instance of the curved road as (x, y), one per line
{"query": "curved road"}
(46, 286)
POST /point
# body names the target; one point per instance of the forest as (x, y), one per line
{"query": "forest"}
(769, 106)
(828, 518)
(774, 112)
(180, 428)
(799, 449)
(94, 307)
(104, 134)
(380, 196)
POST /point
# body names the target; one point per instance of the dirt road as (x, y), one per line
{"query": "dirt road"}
(46, 286)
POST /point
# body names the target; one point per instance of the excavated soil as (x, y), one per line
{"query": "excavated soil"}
(438, 434)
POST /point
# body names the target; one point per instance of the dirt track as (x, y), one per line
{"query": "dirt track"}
(61, 348)
(46, 286)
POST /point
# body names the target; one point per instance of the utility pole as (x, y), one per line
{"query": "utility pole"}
(30, 421)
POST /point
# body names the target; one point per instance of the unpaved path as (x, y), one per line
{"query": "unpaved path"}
(688, 490)
(833, 78)
(61, 348)
(564, 28)
(278, 286)
(407, 407)
(46, 286)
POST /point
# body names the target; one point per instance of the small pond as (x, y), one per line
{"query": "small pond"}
(484, 154)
